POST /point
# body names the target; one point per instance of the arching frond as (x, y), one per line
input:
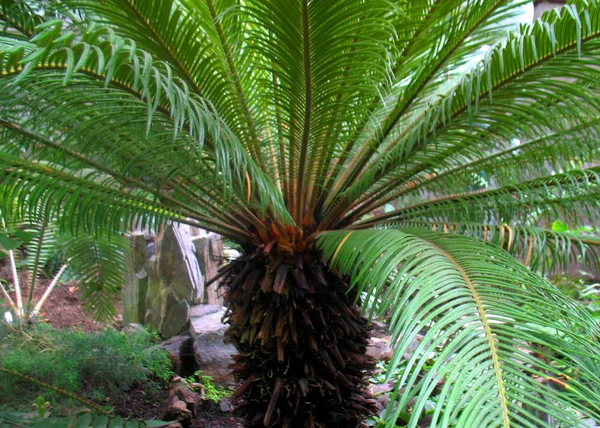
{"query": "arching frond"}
(137, 84)
(485, 317)
(567, 196)
(98, 262)
(547, 63)
(540, 249)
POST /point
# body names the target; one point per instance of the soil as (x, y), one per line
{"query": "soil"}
(64, 306)
(64, 309)
(146, 405)
(141, 404)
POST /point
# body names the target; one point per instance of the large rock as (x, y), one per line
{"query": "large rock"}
(174, 282)
(209, 251)
(212, 354)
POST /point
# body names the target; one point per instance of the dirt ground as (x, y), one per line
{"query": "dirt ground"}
(64, 309)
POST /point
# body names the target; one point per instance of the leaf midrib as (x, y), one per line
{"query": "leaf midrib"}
(488, 334)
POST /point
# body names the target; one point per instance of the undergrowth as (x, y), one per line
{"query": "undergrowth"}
(211, 391)
(97, 366)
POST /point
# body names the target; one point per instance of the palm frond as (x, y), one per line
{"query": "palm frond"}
(548, 63)
(19, 18)
(571, 196)
(99, 264)
(485, 316)
(558, 151)
(540, 249)
(141, 85)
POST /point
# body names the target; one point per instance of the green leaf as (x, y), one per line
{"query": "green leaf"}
(9, 243)
(559, 226)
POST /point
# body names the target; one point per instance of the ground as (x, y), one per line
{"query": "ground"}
(63, 309)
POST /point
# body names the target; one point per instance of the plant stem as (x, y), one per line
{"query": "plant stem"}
(7, 297)
(15, 275)
(39, 305)
(54, 388)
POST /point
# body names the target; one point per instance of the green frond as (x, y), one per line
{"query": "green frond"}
(99, 264)
(571, 196)
(485, 317)
(562, 150)
(136, 83)
(30, 185)
(540, 249)
(547, 62)
(441, 38)
(201, 40)
(19, 17)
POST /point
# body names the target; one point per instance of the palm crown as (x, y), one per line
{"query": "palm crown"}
(344, 136)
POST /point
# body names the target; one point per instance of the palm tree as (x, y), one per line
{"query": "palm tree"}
(358, 151)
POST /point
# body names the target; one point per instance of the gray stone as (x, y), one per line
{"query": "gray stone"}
(174, 281)
(209, 323)
(209, 252)
(171, 267)
(212, 354)
(133, 328)
(203, 310)
(176, 316)
(224, 404)
(173, 344)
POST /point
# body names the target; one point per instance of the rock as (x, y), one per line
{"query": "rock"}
(173, 345)
(199, 311)
(176, 317)
(224, 405)
(177, 410)
(380, 349)
(133, 328)
(212, 355)
(209, 251)
(190, 398)
(174, 281)
(177, 347)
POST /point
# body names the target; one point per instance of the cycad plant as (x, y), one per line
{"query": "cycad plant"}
(32, 241)
(355, 150)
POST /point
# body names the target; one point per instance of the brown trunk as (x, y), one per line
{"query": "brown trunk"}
(301, 344)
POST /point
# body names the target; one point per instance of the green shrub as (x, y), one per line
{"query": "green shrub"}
(92, 365)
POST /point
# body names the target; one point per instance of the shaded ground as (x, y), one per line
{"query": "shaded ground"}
(63, 309)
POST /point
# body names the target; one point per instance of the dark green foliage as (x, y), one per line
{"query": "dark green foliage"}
(92, 365)
(84, 420)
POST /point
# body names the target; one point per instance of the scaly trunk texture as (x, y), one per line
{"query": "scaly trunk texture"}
(301, 343)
